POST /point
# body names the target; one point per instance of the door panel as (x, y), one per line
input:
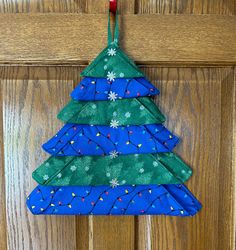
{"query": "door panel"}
(194, 101)
(31, 99)
(198, 101)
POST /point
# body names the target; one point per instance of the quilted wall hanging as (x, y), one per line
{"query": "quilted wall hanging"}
(113, 156)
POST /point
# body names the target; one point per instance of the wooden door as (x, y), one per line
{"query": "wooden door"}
(186, 48)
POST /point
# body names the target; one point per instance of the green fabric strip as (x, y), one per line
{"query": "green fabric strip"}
(135, 111)
(163, 168)
(112, 63)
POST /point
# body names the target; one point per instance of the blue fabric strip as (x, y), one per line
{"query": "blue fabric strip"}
(91, 89)
(174, 200)
(79, 140)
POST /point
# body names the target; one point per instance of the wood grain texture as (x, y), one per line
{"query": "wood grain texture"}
(199, 105)
(228, 161)
(3, 223)
(64, 39)
(63, 6)
(31, 100)
(220, 7)
(113, 233)
(223, 7)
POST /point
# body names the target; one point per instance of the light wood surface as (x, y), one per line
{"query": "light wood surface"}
(196, 7)
(3, 224)
(30, 106)
(149, 39)
(198, 101)
(221, 7)
(63, 6)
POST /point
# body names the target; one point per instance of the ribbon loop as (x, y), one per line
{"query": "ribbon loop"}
(116, 31)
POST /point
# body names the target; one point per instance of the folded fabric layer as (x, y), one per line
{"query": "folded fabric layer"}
(78, 140)
(94, 89)
(174, 200)
(135, 111)
(164, 168)
(112, 63)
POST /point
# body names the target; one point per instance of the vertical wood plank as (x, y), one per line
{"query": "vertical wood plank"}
(227, 165)
(31, 99)
(3, 224)
(113, 232)
(221, 7)
(62, 6)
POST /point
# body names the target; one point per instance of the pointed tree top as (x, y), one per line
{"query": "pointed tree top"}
(112, 63)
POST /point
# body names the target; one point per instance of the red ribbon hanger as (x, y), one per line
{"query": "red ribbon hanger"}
(113, 6)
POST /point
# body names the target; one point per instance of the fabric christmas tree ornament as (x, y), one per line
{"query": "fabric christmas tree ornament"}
(74, 139)
(100, 89)
(113, 156)
(164, 168)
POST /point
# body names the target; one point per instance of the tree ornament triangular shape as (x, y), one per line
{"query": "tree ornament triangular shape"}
(112, 63)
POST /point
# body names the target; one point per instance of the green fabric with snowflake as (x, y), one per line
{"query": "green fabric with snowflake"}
(136, 111)
(112, 63)
(163, 168)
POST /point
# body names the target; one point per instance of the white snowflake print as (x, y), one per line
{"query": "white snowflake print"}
(114, 124)
(73, 168)
(112, 96)
(141, 170)
(113, 154)
(141, 107)
(114, 183)
(111, 52)
(59, 175)
(155, 163)
(111, 76)
(127, 114)
(45, 177)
